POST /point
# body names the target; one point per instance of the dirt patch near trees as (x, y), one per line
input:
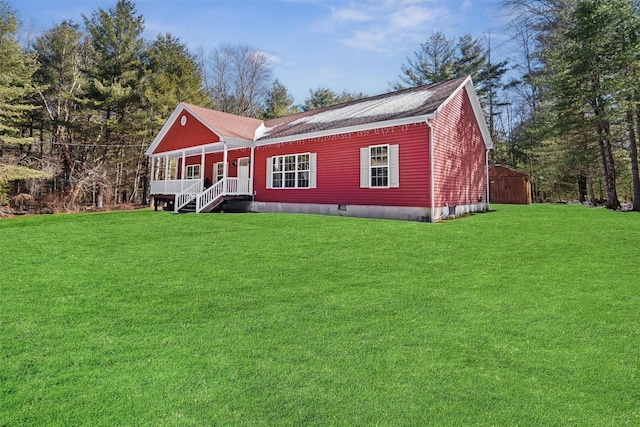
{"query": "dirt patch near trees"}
(24, 204)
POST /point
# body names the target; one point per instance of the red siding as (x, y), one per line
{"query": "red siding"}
(193, 134)
(459, 155)
(338, 169)
(212, 158)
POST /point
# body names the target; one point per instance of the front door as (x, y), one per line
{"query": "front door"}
(243, 175)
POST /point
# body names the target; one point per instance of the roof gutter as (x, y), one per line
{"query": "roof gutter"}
(348, 129)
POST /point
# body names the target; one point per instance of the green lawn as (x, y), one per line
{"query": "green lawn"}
(529, 315)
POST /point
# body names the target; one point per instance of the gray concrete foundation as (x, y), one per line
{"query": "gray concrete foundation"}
(361, 211)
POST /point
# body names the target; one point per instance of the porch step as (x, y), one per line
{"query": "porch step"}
(189, 207)
(216, 206)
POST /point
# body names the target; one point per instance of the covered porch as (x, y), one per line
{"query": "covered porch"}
(198, 179)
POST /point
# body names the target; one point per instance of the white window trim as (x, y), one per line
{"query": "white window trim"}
(371, 167)
(312, 171)
(215, 171)
(393, 169)
(190, 172)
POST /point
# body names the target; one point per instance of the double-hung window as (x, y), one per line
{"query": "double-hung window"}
(193, 172)
(379, 166)
(291, 171)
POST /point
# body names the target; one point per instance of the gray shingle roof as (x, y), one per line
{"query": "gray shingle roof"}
(411, 102)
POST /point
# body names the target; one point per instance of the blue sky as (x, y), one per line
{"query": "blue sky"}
(356, 45)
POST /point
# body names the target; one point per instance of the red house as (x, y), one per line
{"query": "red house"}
(417, 154)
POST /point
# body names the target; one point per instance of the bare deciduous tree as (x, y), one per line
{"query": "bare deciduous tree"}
(239, 78)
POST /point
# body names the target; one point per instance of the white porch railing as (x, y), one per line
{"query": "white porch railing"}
(173, 186)
(209, 195)
(233, 187)
(238, 186)
(187, 195)
(189, 189)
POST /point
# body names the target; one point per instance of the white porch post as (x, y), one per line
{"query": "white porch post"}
(184, 170)
(251, 159)
(202, 167)
(166, 172)
(153, 168)
(225, 167)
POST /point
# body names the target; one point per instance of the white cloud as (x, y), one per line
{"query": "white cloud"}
(402, 3)
(413, 17)
(369, 39)
(383, 26)
(271, 57)
(350, 15)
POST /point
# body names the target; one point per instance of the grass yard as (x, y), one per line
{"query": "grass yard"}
(529, 316)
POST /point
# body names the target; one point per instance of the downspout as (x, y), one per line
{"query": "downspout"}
(486, 159)
(432, 218)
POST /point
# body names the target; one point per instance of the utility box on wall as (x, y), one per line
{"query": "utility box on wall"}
(509, 186)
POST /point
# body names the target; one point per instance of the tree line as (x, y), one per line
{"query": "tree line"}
(565, 105)
(81, 103)
(577, 114)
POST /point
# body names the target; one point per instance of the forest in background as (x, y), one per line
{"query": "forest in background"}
(81, 103)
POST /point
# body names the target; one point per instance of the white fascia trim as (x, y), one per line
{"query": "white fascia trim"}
(220, 137)
(237, 143)
(174, 116)
(188, 151)
(214, 147)
(156, 141)
(338, 131)
(453, 94)
(477, 109)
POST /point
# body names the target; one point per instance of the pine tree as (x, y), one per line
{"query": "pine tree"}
(279, 102)
(584, 73)
(16, 69)
(324, 97)
(434, 62)
(16, 89)
(318, 98)
(173, 76)
(115, 91)
(471, 58)
(117, 69)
